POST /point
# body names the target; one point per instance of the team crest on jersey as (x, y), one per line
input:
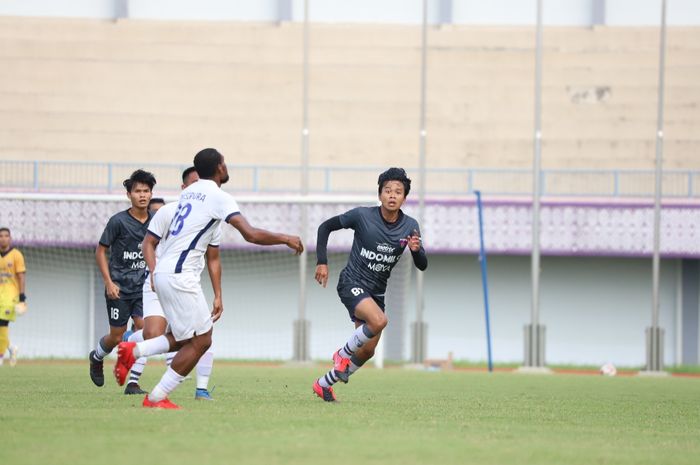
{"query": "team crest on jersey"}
(385, 248)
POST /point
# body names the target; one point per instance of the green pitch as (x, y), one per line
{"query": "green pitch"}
(52, 414)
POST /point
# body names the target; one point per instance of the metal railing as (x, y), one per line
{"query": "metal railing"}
(102, 177)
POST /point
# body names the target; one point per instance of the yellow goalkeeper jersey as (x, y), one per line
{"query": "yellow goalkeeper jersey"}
(11, 264)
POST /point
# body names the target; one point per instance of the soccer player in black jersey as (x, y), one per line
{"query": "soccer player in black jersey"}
(124, 274)
(381, 235)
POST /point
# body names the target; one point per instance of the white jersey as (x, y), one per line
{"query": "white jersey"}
(194, 225)
(158, 227)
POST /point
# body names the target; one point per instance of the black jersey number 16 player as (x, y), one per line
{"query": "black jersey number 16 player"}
(124, 274)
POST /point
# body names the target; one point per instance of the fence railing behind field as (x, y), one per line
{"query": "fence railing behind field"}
(100, 177)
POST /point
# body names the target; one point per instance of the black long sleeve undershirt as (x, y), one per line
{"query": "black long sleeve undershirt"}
(420, 259)
(324, 231)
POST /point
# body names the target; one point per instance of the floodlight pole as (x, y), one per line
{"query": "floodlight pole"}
(301, 325)
(534, 332)
(655, 334)
(419, 328)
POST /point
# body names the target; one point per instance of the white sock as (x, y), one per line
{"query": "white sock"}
(170, 380)
(361, 335)
(204, 367)
(155, 346)
(100, 352)
(169, 358)
(329, 379)
(137, 367)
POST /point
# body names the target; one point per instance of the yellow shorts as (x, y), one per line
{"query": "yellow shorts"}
(7, 310)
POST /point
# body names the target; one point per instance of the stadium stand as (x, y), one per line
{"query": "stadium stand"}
(132, 90)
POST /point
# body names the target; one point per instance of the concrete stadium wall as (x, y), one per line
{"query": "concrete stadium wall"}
(159, 91)
(595, 309)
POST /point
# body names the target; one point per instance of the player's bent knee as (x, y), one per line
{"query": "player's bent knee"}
(379, 323)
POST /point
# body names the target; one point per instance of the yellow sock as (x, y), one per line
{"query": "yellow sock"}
(4, 339)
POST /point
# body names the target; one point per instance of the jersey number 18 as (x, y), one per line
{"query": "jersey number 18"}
(179, 221)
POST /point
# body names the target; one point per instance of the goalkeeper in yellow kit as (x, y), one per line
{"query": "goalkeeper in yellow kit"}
(12, 298)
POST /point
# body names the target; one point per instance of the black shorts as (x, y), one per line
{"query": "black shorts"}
(120, 310)
(352, 293)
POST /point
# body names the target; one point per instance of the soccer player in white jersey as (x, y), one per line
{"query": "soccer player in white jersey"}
(176, 278)
(154, 320)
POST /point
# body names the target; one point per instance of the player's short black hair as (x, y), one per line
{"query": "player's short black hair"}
(155, 200)
(187, 172)
(139, 176)
(206, 161)
(5, 229)
(395, 174)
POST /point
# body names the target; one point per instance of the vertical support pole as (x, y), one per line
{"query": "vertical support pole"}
(654, 333)
(535, 334)
(91, 308)
(36, 175)
(419, 342)
(110, 175)
(301, 325)
(484, 278)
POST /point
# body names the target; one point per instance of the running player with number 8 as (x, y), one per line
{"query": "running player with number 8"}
(381, 235)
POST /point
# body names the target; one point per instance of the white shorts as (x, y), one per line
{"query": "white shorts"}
(184, 304)
(151, 304)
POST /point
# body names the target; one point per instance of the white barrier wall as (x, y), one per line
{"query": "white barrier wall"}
(595, 309)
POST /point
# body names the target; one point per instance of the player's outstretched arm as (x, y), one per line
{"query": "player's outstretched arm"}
(324, 231)
(264, 237)
(214, 267)
(111, 289)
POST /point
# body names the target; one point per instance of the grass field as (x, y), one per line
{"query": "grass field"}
(52, 414)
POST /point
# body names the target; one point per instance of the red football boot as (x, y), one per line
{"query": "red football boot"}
(164, 404)
(125, 360)
(326, 394)
(341, 366)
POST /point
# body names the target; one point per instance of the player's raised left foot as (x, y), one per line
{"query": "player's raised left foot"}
(164, 404)
(202, 394)
(96, 370)
(341, 365)
(326, 394)
(13, 350)
(133, 388)
(125, 360)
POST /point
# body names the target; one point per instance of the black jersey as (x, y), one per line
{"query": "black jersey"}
(123, 235)
(376, 248)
